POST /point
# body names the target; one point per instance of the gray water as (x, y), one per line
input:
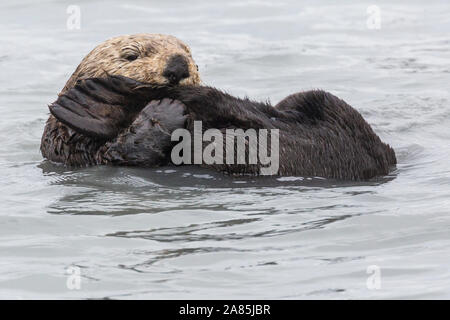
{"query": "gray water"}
(190, 233)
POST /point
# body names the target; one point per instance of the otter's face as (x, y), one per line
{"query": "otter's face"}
(152, 58)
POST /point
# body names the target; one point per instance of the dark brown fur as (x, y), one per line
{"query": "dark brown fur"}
(320, 134)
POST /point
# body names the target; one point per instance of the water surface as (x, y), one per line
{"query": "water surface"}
(192, 233)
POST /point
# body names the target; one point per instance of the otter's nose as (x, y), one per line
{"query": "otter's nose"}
(176, 69)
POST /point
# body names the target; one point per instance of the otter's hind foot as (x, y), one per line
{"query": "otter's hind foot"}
(147, 141)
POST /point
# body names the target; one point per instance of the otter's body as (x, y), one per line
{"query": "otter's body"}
(320, 135)
(59, 143)
(115, 110)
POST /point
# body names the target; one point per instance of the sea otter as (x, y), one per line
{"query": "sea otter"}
(132, 121)
(151, 58)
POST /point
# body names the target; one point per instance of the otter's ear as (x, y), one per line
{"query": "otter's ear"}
(101, 107)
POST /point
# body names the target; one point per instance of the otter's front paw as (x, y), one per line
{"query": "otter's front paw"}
(147, 141)
(168, 113)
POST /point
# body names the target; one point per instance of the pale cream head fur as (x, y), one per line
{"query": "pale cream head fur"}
(150, 52)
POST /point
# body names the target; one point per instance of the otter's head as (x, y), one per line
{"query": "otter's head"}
(151, 58)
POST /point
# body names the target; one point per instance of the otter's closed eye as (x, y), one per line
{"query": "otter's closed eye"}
(131, 56)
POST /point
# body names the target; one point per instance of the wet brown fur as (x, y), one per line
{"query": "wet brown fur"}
(320, 134)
